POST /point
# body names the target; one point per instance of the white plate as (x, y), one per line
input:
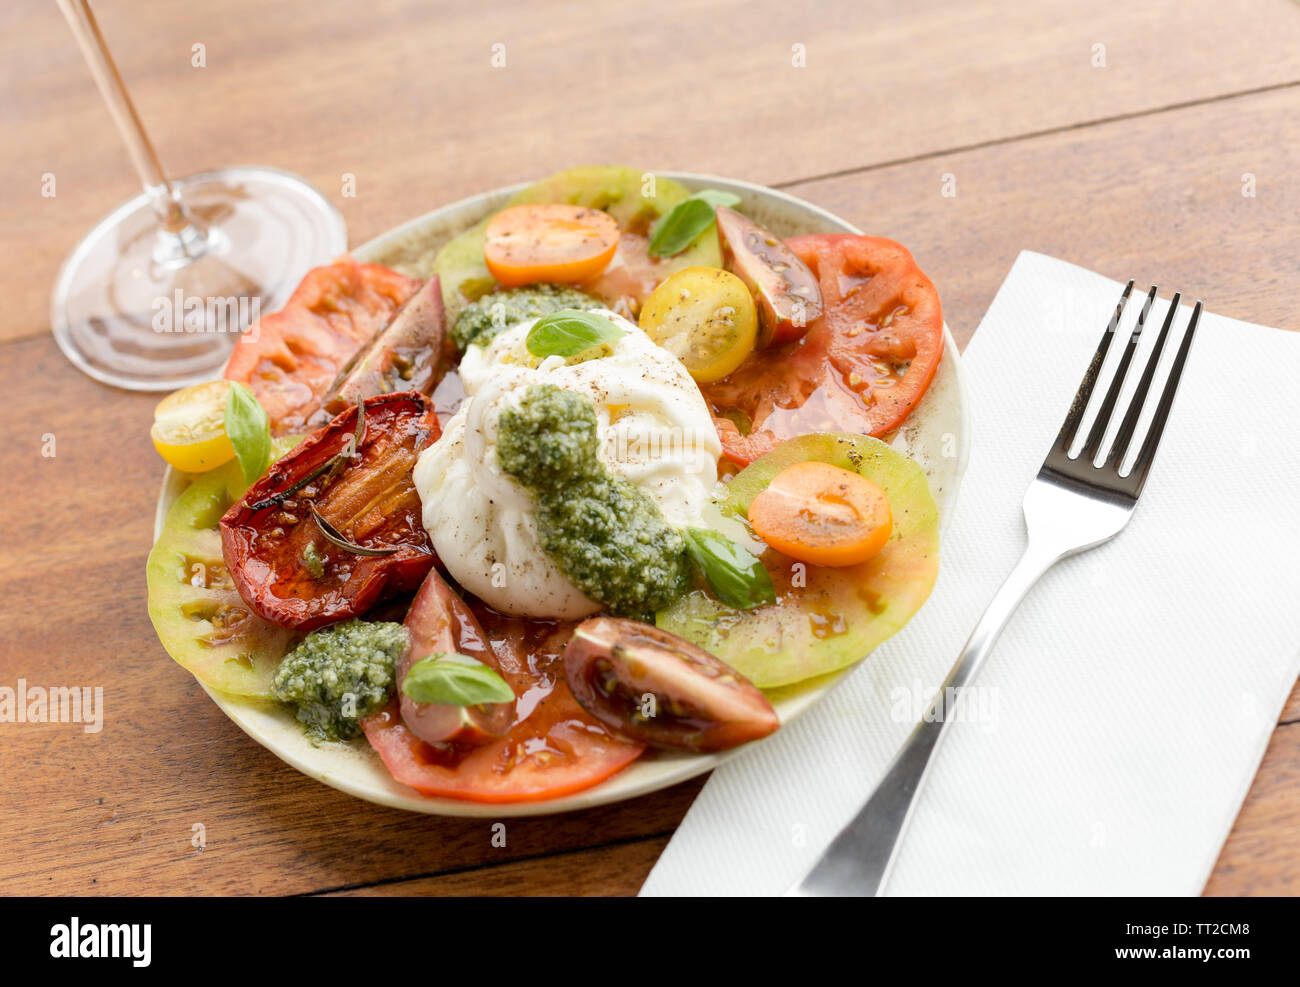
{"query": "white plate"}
(936, 435)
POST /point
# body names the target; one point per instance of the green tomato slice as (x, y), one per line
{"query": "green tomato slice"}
(627, 194)
(824, 619)
(197, 613)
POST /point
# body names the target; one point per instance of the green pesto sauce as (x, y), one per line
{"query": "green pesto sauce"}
(481, 320)
(340, 674)
(604, 533)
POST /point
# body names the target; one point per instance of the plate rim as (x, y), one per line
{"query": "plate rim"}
(245, 713)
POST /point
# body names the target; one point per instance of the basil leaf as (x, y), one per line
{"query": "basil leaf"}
(687, 220)
(455, 680)
(568, 332)
(249, 431)
(738, 578)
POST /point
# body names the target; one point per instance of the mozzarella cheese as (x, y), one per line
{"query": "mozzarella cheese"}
(655, 430)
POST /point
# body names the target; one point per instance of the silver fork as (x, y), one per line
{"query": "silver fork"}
(1070, 506)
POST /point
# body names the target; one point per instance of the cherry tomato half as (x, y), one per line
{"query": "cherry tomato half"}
(705, 317)
(822, 514)
(189, 427)
(657, 688)
(784, 289)
(551, 242)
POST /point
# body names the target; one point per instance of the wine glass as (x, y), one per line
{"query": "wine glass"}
(154, 297)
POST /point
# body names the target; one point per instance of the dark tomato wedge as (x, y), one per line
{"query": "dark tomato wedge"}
(786, 292)
(861, 367)
(439, 622)
(553, 749)
(290, 358)
(285, 566)
(410, 354)
(655, 687)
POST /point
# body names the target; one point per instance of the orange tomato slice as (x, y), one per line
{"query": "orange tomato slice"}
(822, 514)
(549, 243)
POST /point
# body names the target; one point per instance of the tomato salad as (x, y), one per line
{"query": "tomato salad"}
(663, 493)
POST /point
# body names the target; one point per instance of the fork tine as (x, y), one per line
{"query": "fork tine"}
(1120, 446)
(1142, 465)
(1065, 437)
(1107, 408)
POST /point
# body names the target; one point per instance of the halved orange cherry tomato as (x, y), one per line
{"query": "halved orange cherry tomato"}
(823, 515)
(552, 243)
(861, 367)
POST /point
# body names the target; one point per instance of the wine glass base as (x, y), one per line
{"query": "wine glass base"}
(130, 312)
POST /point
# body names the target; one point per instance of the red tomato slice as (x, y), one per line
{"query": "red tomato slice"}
(290, 358)
(862, 366)
(549, 242)
(553, 749)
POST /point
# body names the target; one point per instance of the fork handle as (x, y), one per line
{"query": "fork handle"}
(858, 860)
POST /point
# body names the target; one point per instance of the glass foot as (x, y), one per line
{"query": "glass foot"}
(145, 309)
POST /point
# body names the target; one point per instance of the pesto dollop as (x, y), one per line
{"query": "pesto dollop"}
(602, 531)
(339, 675)
(481, 320)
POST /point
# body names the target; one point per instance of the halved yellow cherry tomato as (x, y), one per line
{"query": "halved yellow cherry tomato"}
(822, 514)
(705, 317)
(189, 427)
(549, 243)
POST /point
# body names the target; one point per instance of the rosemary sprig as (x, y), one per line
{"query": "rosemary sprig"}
(335, 537)
(332, 466)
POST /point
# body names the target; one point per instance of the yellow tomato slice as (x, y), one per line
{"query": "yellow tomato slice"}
(189, 427)
(705, 317)
(549, 243)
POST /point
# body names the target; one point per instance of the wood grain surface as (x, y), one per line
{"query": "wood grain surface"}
(1133, 168)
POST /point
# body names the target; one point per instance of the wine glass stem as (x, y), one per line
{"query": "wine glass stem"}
(181, 237)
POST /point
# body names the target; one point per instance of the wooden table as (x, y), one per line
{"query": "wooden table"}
(1121, 139)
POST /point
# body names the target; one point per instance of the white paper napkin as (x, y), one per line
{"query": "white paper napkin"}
(1118, 723)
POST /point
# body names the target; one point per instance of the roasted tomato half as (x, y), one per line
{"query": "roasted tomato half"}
(862, 365)
(654, 687)
(335, 525)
